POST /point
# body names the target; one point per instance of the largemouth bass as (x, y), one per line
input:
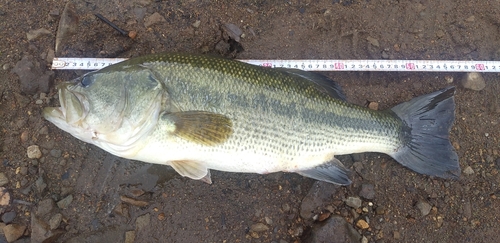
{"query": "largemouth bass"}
(197, 113)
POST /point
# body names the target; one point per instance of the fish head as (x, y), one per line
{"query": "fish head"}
(111, 106)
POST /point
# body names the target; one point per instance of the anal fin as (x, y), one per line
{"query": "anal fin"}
(193, 169)
(332, 172)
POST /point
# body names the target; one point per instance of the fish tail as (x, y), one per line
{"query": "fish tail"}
(427, 122)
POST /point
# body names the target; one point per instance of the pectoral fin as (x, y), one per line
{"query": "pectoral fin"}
(332, 171)
(193, 169)
(201, 127)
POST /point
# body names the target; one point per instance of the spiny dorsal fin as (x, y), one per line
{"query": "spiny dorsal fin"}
(322, 83)
(201, 127)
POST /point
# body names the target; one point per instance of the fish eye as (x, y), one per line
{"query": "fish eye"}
(86, 81)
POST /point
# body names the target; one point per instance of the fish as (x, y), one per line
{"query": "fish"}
(198, 113)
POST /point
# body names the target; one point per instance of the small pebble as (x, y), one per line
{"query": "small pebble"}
(55, 221)
(132, 34)
(34, 152)
(8, 217)
(473, 81)
(471, 19)
(448, 79)
(39, 102)
(233, 31)
(468, 170)
(142, 221)
(396, 235)
(24, 136)
(373, 105)
(44, 130)
(54, 12)
(64, 203)
(153, 19)
(367, 191)
(3, 179)
(373, 41)
(380, 210)
(196, 24)
(364, 239)
(12, 232)
(362, 224)
(4, 196)
(424, 207)
(130, 236)
(134, 202)
(353, 202)
(259, 227)
(55, 153)
(161, 216)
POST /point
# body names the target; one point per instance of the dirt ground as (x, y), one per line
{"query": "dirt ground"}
(114, 198)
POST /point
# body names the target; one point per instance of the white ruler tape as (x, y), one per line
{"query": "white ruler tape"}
(68, 63)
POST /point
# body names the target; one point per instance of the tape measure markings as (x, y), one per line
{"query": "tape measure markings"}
(68, 63)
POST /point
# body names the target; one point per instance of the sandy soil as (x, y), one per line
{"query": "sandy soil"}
(177, 209)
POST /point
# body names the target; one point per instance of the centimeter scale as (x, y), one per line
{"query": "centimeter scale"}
(69, 63)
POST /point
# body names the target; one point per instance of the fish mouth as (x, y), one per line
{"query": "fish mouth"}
(74, 107)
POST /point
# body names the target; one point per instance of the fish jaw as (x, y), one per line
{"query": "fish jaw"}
(70, 116)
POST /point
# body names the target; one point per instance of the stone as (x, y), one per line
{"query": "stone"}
(55, 153)
(28, 73)
(55, 221)
(3, 179)
(353, 202)
(468, 171)
(8, 217)
(129, 236)
(196, 24)
(44, 207)
(380, 210)
(473, 81)
(54, 12)
(139, 13)
(233, 31)
(424, 207)
(34, 152)
(40, 184)
(334, 230)
(64, 203)
(362, 224)
(34, 34)
(319, 195)
(45, 81)
(13, 232)
(153, 19)
(4, 196)
(367, 191)
(41, 233)
(373, 105)
(373, 41)
(142, 221)
(134, 202)
(259, 227)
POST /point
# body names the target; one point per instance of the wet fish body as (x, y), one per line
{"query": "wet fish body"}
(197, 113)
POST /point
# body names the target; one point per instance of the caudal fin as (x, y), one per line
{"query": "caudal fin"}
(427, 148)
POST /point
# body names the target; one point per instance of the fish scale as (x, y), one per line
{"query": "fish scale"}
(215, 113)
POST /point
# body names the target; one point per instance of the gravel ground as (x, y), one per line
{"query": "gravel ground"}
(56, 188)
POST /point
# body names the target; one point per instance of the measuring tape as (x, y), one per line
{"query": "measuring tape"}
(68, 63)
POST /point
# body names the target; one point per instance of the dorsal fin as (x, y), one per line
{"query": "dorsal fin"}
(322, 83)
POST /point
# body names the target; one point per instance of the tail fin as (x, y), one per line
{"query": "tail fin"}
(427, 149)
